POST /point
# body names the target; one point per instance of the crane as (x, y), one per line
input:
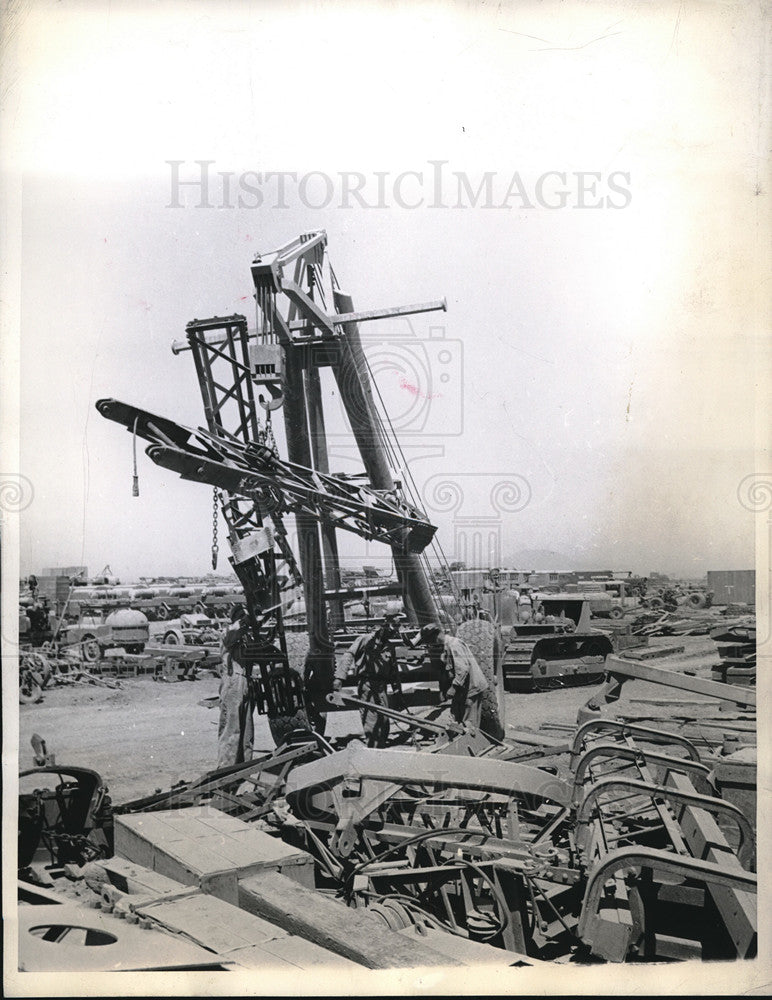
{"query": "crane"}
(244, 377)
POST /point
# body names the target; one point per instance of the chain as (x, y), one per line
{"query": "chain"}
(215, 513)
(270, 440)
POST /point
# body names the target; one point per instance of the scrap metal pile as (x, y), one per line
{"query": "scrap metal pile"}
(612, 845)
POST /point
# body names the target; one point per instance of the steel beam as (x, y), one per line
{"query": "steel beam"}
(628, 670)
(625, 728)
(478, 773)
(635, 755)
(356, 393)
(336, 319)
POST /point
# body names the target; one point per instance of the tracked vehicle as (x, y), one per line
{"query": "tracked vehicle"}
(558, 651)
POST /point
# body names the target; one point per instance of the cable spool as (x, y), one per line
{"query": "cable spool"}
(392, 913)
(481, 924)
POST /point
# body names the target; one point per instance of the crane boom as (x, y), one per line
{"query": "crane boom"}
(279, 487)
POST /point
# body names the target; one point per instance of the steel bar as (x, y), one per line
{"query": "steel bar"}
(625, 858)
(623, 728)
(452, 728)
(215, 338)
(712, 805)
(634, 755)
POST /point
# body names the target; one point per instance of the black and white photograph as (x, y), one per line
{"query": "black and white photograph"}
(385, 497)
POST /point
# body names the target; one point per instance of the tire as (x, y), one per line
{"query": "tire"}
(696, 600)
(29, 692)
(297, 648)
(483, 640)
(200, 608)
(37, 663)
(89, 649)
(615, 613)
(162, 613)
(173, 638)
(655, 603)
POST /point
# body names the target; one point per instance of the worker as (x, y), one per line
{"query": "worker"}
(463, 682)
(236, 731)
(374, 661)
(318, 674)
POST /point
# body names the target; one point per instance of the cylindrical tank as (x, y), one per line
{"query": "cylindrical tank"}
(128, 628)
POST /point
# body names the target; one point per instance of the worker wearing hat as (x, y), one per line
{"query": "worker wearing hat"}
(467, 682)
(374, 661)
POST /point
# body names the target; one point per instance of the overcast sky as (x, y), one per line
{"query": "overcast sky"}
(610, 362)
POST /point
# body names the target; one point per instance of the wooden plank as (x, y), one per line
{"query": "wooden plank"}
(612, 926)
(212, 923)
(129, 948)
(299, 953)
(203, 847)
(653, 652)
(136, 879)
(354, 934)
(471, 952)
(707, 842)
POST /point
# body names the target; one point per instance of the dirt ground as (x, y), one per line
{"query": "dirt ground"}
(148, 735)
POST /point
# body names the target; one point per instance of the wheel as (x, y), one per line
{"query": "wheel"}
(696, 600)
(200, 608)
(173, 638)
(38, 666)
(89, 649)
(656, 602)
(615, 613)
(162, 613)
(482, 639)
(30, 691)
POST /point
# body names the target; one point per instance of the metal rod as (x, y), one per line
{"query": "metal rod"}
(216, 336)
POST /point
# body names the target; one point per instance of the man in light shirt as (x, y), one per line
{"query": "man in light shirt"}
(467, 681)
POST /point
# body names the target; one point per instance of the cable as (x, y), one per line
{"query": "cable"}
(504, 917)
(399, 460)
(135, 483)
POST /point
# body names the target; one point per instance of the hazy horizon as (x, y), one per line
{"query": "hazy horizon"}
(605, 355)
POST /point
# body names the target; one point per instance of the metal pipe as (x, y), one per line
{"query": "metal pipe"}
(353, 382)
(321, 464)
(309, 550)
(216, 337)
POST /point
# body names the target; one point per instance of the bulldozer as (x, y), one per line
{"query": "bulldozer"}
(558, 650)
